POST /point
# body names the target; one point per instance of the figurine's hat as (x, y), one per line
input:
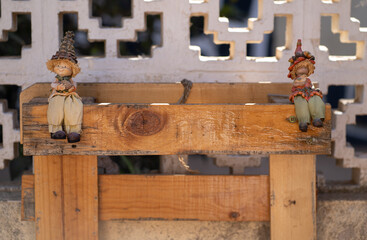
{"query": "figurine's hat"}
(66, 53)
(299, 56)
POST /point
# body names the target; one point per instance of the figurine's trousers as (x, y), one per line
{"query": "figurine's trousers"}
(314, 108)
(65, 111)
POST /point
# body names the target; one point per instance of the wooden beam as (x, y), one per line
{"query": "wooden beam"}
(48, 198)
(185, 197)
(208, 93)
(118, 129)
(66, 197)
(219, 198)
(293, 197)
(80, 183)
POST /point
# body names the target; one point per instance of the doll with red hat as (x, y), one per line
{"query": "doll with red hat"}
(65, 108)
(307, 100)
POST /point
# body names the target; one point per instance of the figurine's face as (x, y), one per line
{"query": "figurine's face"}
(302, 71)
(63, 69)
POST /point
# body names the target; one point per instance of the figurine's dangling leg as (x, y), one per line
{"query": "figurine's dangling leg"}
(302, 112)
(55, 117)
(317, 110)
(73, 110)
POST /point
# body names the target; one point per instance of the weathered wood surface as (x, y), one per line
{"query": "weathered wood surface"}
(185, 197)
(48, 198)
(223, 198)
(118, 129)
(27, 208)
(66, 197)
(293, 197)
(164, 93)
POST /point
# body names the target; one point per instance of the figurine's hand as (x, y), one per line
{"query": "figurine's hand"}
(60, 87)
(66, 84)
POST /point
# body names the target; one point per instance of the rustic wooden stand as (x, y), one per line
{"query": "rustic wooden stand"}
(66, 197)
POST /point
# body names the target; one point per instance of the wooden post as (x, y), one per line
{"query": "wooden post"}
(66, 197)
(292, 197)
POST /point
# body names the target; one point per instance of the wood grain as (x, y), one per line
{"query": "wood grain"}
(48, 198)
(223, 198)
(293, 197)
(164, 93)
(27, 208)
(185, 197)
(80, 181)
(118, 129)
(66, 197)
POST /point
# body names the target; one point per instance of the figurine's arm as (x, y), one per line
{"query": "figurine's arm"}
(73, 86)
(309, 83)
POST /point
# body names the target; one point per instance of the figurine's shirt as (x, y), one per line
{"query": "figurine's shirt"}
(70, 87)
(306, 91)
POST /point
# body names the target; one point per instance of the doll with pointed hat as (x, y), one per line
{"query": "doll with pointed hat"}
(307, 100)
(65, 108)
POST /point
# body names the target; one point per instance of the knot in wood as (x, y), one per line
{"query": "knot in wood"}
(144, 123)
(234, 215)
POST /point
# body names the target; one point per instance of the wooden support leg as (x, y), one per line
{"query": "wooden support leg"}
(66, 197)
(292, 197)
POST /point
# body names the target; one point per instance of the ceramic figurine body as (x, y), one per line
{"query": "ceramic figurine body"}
(307, 100)
(65, 108)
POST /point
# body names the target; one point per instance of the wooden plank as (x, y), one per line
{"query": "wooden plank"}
(186, 197)
(293, 197)
(219, 198)
(118, 129)
(66, 197)
(48, 197)
(80, 181)
(27, 208)
(164, 93)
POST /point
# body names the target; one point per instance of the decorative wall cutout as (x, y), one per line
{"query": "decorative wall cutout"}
(145, 41)
(83, 46)
(340, 95)
(17, 37)
(111, 12)
(10, 135)
(342, 48)
(204, 43)
(238, 12)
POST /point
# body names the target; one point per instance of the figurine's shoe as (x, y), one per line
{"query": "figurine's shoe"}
(303, 127)
(317, 122)
(73, 137)
(58, 135)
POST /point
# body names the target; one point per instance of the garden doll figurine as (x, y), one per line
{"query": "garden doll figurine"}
(65, 108)
(307, 100)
